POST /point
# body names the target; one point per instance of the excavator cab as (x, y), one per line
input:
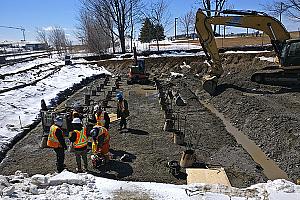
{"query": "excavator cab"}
(290, 55)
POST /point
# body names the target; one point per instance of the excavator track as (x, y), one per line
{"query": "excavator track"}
(273, 75)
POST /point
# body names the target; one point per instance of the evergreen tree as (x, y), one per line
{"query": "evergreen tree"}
(159, 32)
(147, 30)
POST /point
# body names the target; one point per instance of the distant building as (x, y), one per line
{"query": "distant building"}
(35, 46)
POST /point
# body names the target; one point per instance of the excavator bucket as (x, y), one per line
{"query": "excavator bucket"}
(209, 84)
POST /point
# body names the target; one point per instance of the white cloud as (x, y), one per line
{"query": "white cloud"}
(48, 28)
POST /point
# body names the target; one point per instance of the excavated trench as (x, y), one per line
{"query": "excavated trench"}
(270, 168)
(245, 134)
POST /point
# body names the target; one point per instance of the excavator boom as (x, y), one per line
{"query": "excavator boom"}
(245, 19)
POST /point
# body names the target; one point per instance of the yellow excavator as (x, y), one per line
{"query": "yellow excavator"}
(287, 50)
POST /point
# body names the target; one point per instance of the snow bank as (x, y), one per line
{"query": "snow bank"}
(20, 107)
(67, 177)
(68, 185)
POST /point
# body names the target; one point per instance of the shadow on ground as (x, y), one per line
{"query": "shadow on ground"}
(135, 131)
(117, 168)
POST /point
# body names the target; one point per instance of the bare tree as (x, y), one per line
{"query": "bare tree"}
(41, 36)
(117, 15)
(216, 5)
(57, 39)
(188, 21)
(160, 16)
(290, 8)
(94, 36)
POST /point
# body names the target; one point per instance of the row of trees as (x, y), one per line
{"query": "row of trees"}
(56, 37)
(106, 23)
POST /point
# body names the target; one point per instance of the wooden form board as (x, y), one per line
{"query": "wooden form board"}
(113, 117)
(209, 176)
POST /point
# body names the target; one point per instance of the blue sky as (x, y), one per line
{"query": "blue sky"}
(32, 14)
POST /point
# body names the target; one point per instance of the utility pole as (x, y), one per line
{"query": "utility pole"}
(176, 18)
(281, 11)
(23, 30)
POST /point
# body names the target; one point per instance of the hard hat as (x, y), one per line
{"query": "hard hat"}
(58, 121)
(94, 131)
(119, 95)
(76, 121)
(97, 107)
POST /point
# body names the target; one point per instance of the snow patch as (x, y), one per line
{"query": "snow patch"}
(68, 185)
(269, 59)
(176, 75)
(67, 177)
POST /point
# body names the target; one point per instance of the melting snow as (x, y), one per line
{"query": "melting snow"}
(21, 106)
(269, 59)
(68, 185)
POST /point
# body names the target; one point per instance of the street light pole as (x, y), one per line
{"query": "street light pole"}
(176, 18)
(23, 30)
(281, 11)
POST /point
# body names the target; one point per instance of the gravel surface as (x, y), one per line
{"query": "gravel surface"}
(267, 114)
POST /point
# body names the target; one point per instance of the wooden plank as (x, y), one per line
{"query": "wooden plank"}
(113, 117)
(209, 176)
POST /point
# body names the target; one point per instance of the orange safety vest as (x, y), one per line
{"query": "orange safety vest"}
(105, 147)
(52, 139)
(100, 119)
(81, 139)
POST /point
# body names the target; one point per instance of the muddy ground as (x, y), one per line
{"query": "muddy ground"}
(267, 114)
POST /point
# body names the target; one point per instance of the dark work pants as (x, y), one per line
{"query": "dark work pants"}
(81, 154)
(123, 122)
(60, 159)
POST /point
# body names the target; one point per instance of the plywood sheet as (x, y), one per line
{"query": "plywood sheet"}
(209, 176)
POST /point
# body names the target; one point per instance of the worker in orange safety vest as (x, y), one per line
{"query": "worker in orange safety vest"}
(79, 140)
(101, 140)
(57, 142)
(100, 117)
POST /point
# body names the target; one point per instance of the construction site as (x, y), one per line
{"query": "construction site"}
(227, 113)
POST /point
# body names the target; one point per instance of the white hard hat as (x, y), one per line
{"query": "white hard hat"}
(58, 121)
(76, 121)
(97, 107)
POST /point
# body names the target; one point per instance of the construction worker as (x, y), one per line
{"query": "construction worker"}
(79, 141)
(57, 142)
(78, 111)
(101, 140)
(100, 117)
(122, 110)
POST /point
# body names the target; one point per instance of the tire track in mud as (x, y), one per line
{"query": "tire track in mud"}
(2, 76)
(55, 70)
(22, 60)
